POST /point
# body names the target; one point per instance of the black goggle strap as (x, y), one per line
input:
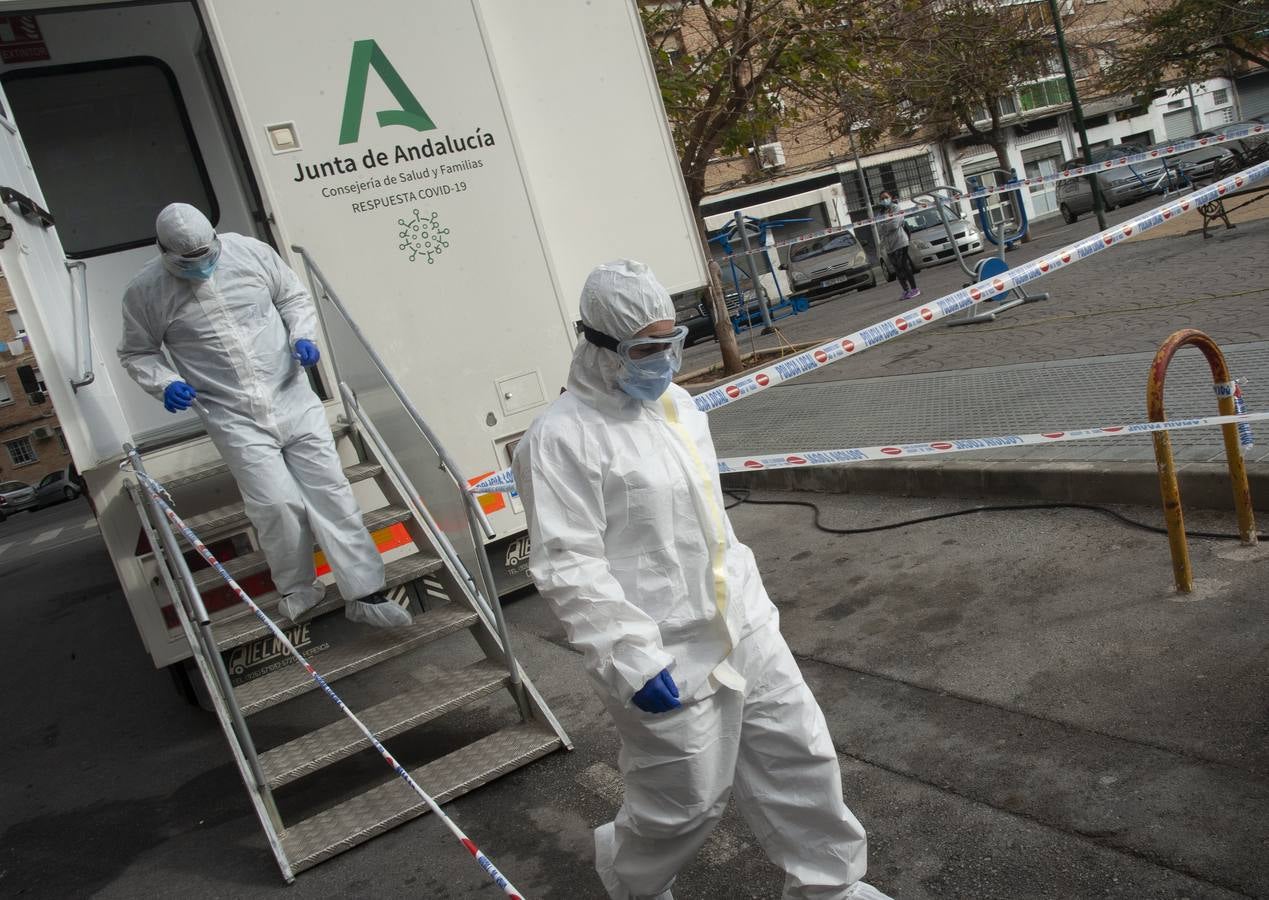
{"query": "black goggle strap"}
(598, 338)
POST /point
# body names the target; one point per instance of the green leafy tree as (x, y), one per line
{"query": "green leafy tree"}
(1186, 40)
(734, 71)
(957, 59)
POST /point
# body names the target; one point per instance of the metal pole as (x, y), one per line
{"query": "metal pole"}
(760, 293)
(863, 184)
(1099, 204)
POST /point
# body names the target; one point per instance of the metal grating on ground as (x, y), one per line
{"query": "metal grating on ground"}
(1066, 394)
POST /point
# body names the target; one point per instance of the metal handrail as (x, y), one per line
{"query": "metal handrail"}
(477, 521)
(1182, 573)
(187, 589)
(472, 504)
(490, 607)
(80, 323)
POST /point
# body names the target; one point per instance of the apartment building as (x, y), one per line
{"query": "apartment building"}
(812, 161)
(31, 440)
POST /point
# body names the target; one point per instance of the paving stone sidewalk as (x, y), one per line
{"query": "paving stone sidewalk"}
(984, 402)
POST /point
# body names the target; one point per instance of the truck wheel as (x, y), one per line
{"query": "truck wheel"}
(1068, 217)
(68, 493)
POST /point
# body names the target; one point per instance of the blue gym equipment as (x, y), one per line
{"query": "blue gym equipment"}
(988, 266)
(748, 310)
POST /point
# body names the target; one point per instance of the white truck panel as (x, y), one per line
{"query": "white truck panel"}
(601, 162)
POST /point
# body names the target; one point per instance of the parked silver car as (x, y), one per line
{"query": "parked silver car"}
(928, 242)
(15, 496)
(833, 263)
(57, 487)
(1120, 186)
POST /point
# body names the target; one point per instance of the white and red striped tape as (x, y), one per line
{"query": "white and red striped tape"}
(1177, 149)
(157, 493)
(840, 348)
(964, 445)
(504, 482)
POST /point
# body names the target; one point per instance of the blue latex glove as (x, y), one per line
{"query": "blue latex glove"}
(306, 352)
(659, 695)
(178, 396)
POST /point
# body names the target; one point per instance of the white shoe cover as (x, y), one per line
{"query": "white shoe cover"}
(605, 850)
(294, 606)
(862, 890)
(378, 615)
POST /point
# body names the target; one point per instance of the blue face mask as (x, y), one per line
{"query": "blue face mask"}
(199, 272)
(650, 378)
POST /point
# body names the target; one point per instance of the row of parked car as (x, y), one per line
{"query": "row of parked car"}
(1120, 187)
(55, 487)
(848, 260)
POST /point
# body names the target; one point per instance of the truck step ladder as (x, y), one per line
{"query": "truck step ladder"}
(436, 685)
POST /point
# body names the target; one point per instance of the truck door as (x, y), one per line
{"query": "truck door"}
(120, 113)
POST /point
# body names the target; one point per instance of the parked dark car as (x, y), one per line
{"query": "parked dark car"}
(1120, 185)
(692, 310)
(15, 496)
(1206, 162)
(57, 487)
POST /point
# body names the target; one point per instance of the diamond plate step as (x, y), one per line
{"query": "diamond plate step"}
(345, 659)
(243, 626)
(358, 820)
(443, 692)
(251, 563)
(211, 470)
(233, 516)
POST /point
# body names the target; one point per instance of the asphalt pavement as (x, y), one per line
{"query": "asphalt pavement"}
(1021, 706)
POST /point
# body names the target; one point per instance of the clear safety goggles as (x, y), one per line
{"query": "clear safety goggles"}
(639, 352)
(197, 257)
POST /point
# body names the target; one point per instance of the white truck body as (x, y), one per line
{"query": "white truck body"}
(455, 169)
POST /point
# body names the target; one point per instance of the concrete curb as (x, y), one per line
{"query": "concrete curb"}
(1203, 485)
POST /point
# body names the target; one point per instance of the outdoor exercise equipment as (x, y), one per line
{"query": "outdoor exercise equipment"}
(748, 311)
(988, 266)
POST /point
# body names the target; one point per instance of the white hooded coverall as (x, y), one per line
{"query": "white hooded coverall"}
(633, 551)
(230, 338)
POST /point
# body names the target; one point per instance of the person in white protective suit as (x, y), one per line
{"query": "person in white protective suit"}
(239, 328)
(635, 555)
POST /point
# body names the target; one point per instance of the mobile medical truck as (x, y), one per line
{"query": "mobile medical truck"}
(443, 175)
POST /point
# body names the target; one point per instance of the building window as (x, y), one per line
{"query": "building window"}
(21, 452)
(61, 440)
(1220, 97)
(6, 395)
(904, 178)
(79, 121)
(1050, 92)
(15, 322)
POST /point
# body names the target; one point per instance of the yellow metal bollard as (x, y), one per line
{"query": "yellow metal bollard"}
(1163, 449)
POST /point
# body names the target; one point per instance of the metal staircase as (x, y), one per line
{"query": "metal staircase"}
(455, 655)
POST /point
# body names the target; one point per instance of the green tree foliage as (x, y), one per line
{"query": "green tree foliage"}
(1168, 41)
(956, 59)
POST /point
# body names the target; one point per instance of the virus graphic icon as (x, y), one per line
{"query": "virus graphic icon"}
(423, 236)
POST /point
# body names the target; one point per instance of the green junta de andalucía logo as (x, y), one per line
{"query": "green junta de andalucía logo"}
(366, 55)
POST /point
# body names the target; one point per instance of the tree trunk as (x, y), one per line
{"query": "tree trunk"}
(726, 335)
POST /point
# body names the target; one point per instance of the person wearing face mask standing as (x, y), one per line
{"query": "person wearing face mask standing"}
(634, 553)
(894, 243)
(240, 329)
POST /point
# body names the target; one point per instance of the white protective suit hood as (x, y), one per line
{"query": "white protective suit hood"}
(181, 228)
(619, 298)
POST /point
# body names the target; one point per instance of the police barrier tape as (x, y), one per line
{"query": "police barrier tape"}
(919, 316)
(505, 482)
(157, 492)
(1179, 148)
